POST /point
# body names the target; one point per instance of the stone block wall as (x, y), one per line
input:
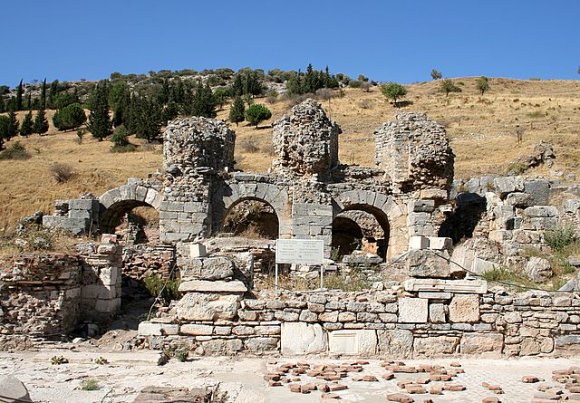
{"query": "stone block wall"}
(79, 216)
(45, 295)
(431, 318)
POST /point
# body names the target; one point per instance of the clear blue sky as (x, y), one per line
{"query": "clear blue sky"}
(385, 40)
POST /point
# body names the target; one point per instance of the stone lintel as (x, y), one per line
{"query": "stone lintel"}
(452, 286)
(235, 286)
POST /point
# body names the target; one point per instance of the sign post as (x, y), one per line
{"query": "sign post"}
(299, 251)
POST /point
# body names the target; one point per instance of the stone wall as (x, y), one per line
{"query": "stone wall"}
(46, 295)
(505, 217)
(428, 318)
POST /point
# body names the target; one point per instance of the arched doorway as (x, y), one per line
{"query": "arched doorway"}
(360, 227)
(251, 218)
(133, 221)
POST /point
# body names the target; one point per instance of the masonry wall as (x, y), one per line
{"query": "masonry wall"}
(46, 295)
(465, 319)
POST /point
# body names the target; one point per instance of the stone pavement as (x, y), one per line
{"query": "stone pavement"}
(241, 380)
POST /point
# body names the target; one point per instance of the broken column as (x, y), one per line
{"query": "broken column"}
(196, 151)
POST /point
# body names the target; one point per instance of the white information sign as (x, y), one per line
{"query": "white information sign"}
(300, 251)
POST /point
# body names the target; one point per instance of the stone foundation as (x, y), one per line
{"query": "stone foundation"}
(431, 318)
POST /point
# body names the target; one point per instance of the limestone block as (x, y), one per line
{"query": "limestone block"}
(422, 206)
(435, 346)
(234, 286)
(206, 306)
(301, 338)
(541, 211)
(353, 342)
(508, 184)
(539, 191)
(464, 309)
(413, 310)
(454, 286)
(259, 345)
(490, 344)
(440, 243)
(197, 249)
(13, 390)
(538, 269)
(149, 329)
(222, 346)
(418, 242)
(431, 264)
(518, 199)
(395, 343)
(481, 266)
(196, 330)
(437, 313)
(215, 268)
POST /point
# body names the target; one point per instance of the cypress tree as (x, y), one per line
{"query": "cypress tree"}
(26, 126)
(19, 92)
(2, 105)
(204, 102)
(40, 125)
(43, 95)
(12, 125)
(99, 121)
(237, 110)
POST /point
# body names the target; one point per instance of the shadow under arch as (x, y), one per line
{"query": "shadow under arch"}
(379, 215)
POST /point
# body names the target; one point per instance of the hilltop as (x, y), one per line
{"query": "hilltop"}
(482, 130)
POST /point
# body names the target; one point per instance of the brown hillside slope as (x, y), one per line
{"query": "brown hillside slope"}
(482, 131)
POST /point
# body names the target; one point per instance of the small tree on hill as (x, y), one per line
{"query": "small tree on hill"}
(436, 74)
(13, 124)
(447, 86)
(257, 113)
(393, 91)
(27, 125)
(40, 125)
(482, 84)
(120, 136)
(237, 110)
(69, 117)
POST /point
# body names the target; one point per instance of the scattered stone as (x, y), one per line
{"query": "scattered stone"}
(400, 398)
(530, 379)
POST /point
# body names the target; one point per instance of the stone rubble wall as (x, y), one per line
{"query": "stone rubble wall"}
(514, 215)
(142, 260)
(415, 152)
(465, 318)
(49, 294)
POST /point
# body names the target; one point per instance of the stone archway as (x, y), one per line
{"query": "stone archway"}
(390, 214)
(274, 196)
(116, 202)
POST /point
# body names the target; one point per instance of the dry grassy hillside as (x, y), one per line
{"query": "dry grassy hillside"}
(481, 128)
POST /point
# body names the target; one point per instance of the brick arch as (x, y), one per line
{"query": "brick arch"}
(389, 213)
(116, 202)
(275, 196)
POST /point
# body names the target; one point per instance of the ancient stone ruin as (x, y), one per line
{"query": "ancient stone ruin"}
(434, 234)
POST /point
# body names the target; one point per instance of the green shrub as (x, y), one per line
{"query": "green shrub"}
(120, 136)
(90, 384)
(560, 238)
(182, 355)
(155, 285)
(17, 151)
(505, 275)
(257, 113)
(101, 361)
(58, 360)
(129, 148)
